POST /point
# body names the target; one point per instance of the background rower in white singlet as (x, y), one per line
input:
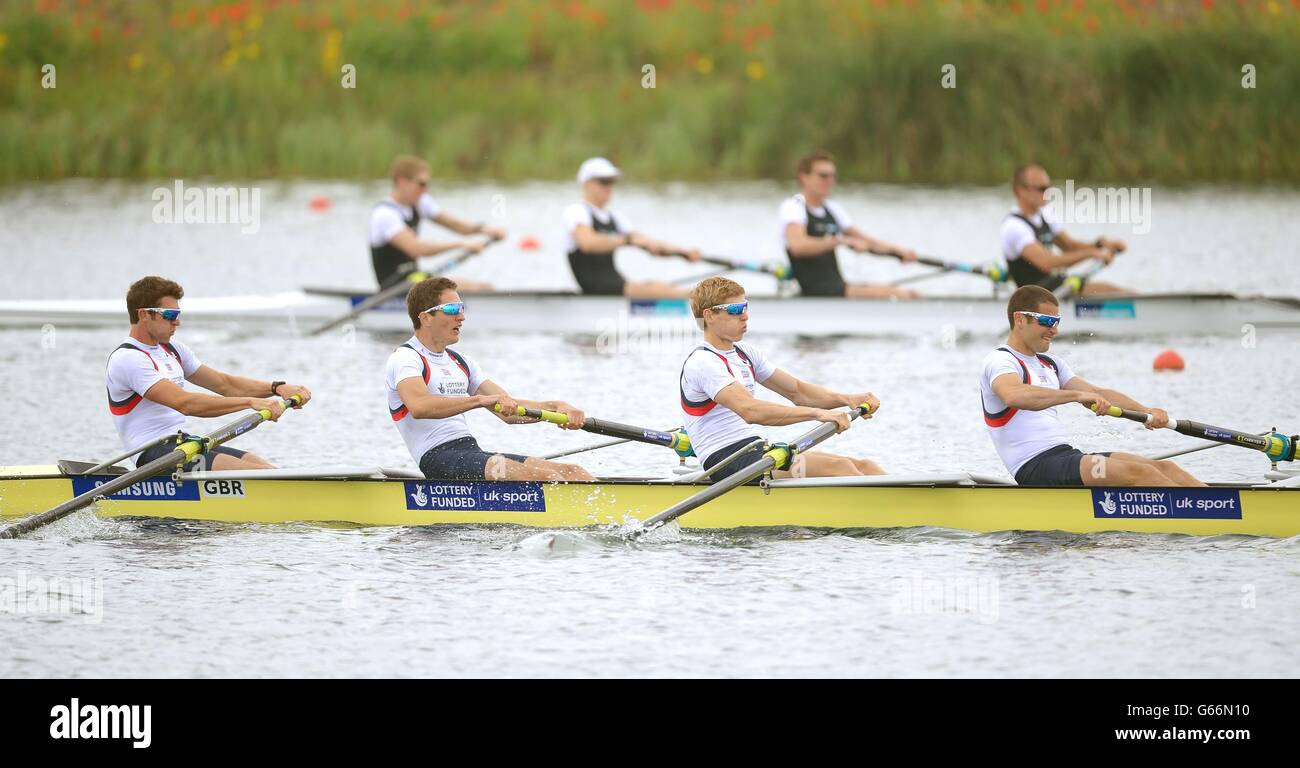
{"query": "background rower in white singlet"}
(395, 224)
(1034, 242)
(593, 232)
(813, 226)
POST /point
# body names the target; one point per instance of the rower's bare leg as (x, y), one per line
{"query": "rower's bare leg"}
(221, 462)
(817, 464)
(654, 291)
(879, 291)
(473, 286)
(1176, 474)
(1127, 469)
(1094, 288)
(499, 467)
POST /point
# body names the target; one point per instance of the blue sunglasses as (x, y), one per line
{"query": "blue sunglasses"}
(451, 308)
(1047, 321)
(169, 315)
(738, 308)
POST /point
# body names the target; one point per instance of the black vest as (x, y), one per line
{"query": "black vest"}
(388, 258)
(1022, 272)
(595, 272)
(819, 275)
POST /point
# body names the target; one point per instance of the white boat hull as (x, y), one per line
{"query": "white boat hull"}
(566, 313)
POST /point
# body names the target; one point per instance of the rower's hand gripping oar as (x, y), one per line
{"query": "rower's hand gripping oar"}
(676, 440)
(407, 275)
(183, 454)
(1275, 445)
(777, 456)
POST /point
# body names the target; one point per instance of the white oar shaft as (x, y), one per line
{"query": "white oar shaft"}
(100, 467)
(584, 449)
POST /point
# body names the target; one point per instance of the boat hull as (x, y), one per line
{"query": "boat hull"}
(620, 320)
(832, 504)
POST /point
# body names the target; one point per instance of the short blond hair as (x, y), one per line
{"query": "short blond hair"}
(407, 167)
(711, 292)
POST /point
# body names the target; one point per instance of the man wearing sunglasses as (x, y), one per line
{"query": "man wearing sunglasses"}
(813, 226)
(147, 376)
(717, 392)
(1032, 234)
(1021, 390)
(431, 386)
(594, 232)
(395, 222)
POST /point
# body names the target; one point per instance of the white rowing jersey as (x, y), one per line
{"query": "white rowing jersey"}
(1018, 233)
(1020, 435)
(390, 217)
(133, 368)
(706, 371)
(445, 374)
(795, 210)
(599, 219)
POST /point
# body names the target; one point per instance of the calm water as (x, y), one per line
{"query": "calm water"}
(184, 599)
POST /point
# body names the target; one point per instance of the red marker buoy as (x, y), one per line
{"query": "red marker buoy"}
(319, 203)
(1168, 360)
(529, 243)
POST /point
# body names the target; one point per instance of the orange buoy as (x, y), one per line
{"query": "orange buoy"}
(1168, 360)
(319, 203)
(529, 243)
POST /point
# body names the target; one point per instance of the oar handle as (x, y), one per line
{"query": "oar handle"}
(676, 439)
(991, 271)
(779, 271)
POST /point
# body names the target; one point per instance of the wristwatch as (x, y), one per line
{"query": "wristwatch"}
(276, 385)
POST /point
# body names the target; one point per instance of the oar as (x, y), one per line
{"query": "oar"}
(182, 454)
(400, 285)
(696, 278)
(585, 448)
(676, 440)
(1197, 449)
(1275, 445)
(775, 457)
(779, 271)
(103, 465)
(991, 271)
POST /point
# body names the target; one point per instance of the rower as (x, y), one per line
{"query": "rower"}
(717, 392)
(147, 375)
(593, 232)
(431, 386)
(395, 222)
(813, 225)
(1021, 389)
(1037, 248)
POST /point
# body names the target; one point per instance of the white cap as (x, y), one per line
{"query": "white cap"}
(597, 168)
